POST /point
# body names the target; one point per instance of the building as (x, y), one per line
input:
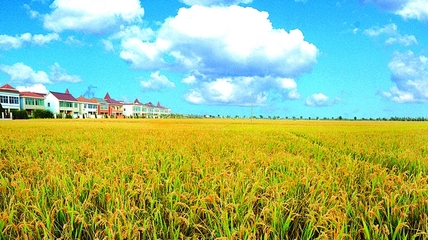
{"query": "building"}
(31, 101)
(9, 98)
(162, 110)
(62, 103)
(134, 109)
(88, 108)
(115, 108)
(102, 106)
(66, 104)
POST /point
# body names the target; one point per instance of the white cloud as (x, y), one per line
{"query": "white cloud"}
(391, 30)
(9, 42)
(59, 74)
(241, 91)
(92, 16)
(157, 82)
(194, 97)
(214, 2)
(41, 39)
(320, 100)
(72, 40)
(408, 9)
(405, 40)
(410, 75)
(108, 45)
(23, 74)
(415, 9)
(37, 88)
(223, 41)
(224, 46)
(190, 79)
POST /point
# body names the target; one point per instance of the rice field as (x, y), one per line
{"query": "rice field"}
(213, 179)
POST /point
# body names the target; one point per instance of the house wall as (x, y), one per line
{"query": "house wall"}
(68, 107)
(103, 109)
(8, 101)
(88, 109)
(52, 103)
(30, 104)
(127, 110)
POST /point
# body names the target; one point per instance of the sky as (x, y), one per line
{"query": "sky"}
(309, 58)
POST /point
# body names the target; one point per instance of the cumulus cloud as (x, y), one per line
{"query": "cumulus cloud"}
(214, 2)
(9, 42)
(21, 73)
(37, 88)
(408, 9)
(25, 75)
(59, 74)
(320, 100)
(394, 37)
(157, 82)
(92, 16)
(241, 91)
(225, 46)
(410, 75)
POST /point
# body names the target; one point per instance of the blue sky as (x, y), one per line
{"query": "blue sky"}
(362, 58)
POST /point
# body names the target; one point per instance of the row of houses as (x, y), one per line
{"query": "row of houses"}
(81, 107)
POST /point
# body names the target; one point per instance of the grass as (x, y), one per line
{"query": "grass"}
(207, 179)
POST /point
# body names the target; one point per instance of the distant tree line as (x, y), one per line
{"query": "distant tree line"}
(339, 118)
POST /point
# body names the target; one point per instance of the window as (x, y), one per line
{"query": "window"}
(29, 101)
(14, 100)
(49, 104)
(4, 99)
(65, 104)
(40, 102)
(75, 105)
(84, 105)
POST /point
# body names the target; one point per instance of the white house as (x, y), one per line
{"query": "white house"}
(9, 98)
(133, 109)
(88, 108)
(63, 103)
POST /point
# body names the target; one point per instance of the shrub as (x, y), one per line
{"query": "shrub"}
(19, 114)
(40, 113)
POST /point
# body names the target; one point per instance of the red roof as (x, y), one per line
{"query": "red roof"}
(32, 94)
(136, 101)
(8, 88)
(83, 99)
(64, 96)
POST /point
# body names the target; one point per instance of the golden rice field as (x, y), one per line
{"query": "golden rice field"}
(213, 179)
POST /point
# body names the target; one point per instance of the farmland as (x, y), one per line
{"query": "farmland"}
(207, 179)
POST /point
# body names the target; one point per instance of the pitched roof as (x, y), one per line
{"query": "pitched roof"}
(99, 100)
(83, 99)
(149, 104)
(136, 101)
(64, 96)
(32, 94)
(160, 106)
(110, 100)
(107, 97)
(8, 88)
